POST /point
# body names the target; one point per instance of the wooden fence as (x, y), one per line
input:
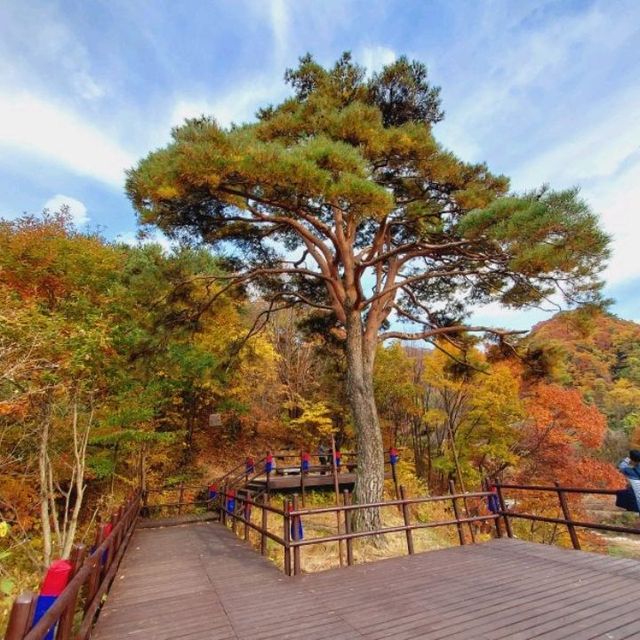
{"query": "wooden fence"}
(240, 513)
(567, 518)
(291, 514)
(74, 610)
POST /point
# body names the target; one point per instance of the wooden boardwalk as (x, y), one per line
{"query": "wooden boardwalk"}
(199, 581)
(283, 482)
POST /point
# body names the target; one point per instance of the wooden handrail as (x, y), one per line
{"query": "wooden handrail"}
(391, 503)
(110, 549)
(567, 520)
(291, 516)
(553, 489)
(238, 478)
(394, 529)
(576, 523)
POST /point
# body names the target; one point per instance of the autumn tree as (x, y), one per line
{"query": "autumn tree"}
(110, 357)
(341, 199)
(560, 437)
(55, 283)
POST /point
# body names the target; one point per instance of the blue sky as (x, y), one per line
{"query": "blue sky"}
(544, 91)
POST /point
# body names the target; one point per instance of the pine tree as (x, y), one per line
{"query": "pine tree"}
(341, 199)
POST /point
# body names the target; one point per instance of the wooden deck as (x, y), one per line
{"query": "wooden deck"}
(291, 481)
(199, 581)
(311, 481)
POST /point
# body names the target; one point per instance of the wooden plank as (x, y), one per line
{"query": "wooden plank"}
(311, 480)
(155, 523)
(199, 581)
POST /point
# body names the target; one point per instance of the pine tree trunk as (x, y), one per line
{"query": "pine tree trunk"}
(370, 471)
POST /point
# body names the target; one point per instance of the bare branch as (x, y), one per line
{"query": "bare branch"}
(437, 331)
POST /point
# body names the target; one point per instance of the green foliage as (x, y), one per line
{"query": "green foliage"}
(138, 341)
(358, 152)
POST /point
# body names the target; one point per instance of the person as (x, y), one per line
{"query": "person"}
(323, 455)
(630, 468)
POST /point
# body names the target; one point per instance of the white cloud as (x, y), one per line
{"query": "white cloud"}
(611, 134)
(520, 67)
(373, 58)
(47, 46)
(279, 18)
(237, 105)
(35, 125)
(496, 315)
(77, 209)
(617, 200)
(134, 239)
(514, 110)
(604, 161)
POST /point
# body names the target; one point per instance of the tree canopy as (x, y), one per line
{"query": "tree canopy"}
(344, 190)
(341, 199)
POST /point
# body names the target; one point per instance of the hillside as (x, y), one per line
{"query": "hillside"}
(598, 354)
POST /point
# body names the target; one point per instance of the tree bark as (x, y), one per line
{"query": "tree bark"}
(369, 485)
(80, 443)
(44, 492)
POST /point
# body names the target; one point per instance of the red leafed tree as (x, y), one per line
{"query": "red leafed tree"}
(561, 437)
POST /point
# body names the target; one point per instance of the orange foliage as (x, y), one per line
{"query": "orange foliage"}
(560, 436)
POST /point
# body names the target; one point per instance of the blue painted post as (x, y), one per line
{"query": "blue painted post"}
(393, 461)
(268, 468)
(296, 534)
(212, 494)
(53, 585)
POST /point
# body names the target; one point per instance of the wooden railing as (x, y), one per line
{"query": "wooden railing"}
(173, 499)
(90, 580)
(237, 476)
(567, 518)
(292, 514)
(287, 461)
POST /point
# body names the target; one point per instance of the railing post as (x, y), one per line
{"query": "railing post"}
(180, 498)
(456, 512)
(347, 526)
(65, 626)
(121, 513)
(336, 488)
(297, 566)
(493, 505)
(287, 537)
(407, 523)
(268, 464)
(113, 540)
(247, 517)
(232, 512)
(394, 476)
(21, 616)
(503, 510)
(223, 505)
(265, 515)
(96, 566)
(115, 519)
(144, 509)
(567, 516)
